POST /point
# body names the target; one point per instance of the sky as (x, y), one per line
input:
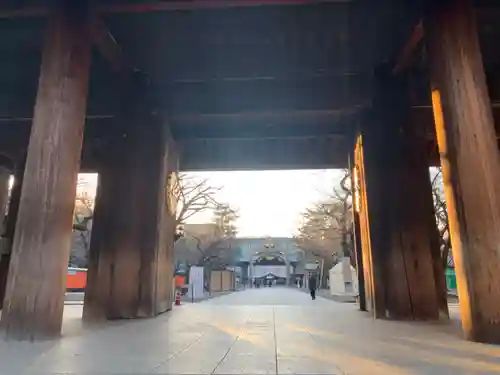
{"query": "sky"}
(269, 202)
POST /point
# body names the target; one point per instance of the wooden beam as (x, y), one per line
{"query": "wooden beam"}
(100, 34)
(248, 154)
(408, 52)
(108, 47)
(28, 12)
(284, 76)
(264, 116)
(205, 4)
(326, 138)
(165, 6)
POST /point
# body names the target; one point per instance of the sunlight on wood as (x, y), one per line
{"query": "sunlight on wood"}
(463, 292)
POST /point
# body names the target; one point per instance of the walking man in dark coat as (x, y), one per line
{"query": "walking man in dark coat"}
(312, 286)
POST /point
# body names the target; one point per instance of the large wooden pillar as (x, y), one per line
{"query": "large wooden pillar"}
(131, 261)
(421, 237)
(33, 309)
(99, 262)
(396, 232)
(471, 165)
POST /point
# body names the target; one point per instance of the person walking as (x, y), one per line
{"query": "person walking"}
(312, 286)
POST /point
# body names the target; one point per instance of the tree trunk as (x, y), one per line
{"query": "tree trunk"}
(327, 265)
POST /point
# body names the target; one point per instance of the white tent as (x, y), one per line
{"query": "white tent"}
(343, 280)
(196, 283)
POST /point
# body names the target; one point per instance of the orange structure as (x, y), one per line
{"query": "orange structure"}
(76, 279)
(180, 281)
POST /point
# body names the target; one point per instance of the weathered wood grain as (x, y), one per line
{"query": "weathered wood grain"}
(33, 305)
(396, 214)
(471, 165)
(131, 268)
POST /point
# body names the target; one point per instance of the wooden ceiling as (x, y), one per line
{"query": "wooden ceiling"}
(235, 75)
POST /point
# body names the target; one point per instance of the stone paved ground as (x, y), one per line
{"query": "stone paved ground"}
(325, 293)
(185, 298)
(257, 331)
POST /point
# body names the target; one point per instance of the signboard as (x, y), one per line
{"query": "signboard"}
(311, 266)
(196, 285)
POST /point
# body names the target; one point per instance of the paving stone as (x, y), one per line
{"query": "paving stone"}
(256, 331)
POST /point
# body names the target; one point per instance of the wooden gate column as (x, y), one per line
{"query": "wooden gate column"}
(471, 164)
(395, 211)
(99, 270)
(34, 301)
(131, 257)
(420, 236)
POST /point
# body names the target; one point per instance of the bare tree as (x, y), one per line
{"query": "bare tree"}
(441, 213)
(209, 240)
(326, 228)
(214, 248)
(341, 212)
(318, 236)
(194, 195)
(82, 222)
